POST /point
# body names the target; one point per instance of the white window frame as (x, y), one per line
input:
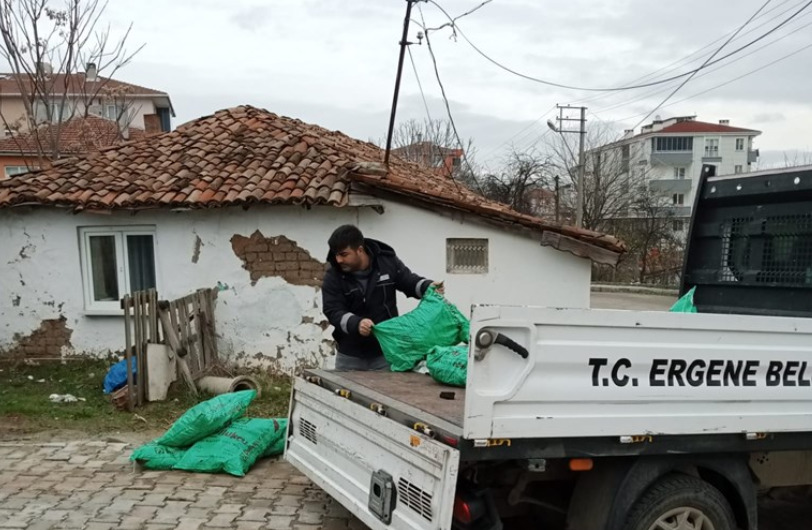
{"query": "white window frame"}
(739, 142)
(738, 169)
(678, 199)
(679, 173)
(93, 307)
(715, 142)
(117, 109)
(12, 171)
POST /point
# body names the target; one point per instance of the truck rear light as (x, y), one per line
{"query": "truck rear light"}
(462, 511)
(581, 464)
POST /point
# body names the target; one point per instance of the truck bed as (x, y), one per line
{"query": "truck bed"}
(414, 396)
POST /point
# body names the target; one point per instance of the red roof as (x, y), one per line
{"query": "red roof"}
(79, 135)
(245, 156)
(684, 127)
(76, 84)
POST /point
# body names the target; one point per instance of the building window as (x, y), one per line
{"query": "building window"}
(711, 147)
(467, 256)
(679, 172)
(678, 199)
(673, 143)
(737, 169)
(116, 261)
(112, 112)
(17, 170)
(53, 111)
(739, 144)
(679, 225)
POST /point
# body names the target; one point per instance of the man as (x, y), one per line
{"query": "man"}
(359, 292)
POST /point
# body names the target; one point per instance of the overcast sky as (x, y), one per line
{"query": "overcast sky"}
(333, 63)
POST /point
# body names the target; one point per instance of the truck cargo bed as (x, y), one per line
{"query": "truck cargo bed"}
(406, 396)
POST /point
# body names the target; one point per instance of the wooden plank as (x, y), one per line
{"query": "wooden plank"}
(153, 317)
(137, 347)
(203, 315)
(211, 295)
(579, 248)
(198, 331)
(173, 319)
(126, 303)
(170, 333)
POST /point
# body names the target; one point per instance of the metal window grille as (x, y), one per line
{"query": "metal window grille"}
(467, 256)
(770, 250)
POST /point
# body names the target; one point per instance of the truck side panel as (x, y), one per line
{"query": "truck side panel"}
(339, 445)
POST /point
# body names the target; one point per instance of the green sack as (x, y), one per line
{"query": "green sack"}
(449, 364)
(153, 455)
(232, 450)
(407, 339)
(277, 446)
(685, 304)
(207, 418)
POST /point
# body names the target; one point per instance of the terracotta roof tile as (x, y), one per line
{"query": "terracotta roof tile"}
(79, 135)
(247, 155)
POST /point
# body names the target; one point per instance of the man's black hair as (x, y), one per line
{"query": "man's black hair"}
(345, 236)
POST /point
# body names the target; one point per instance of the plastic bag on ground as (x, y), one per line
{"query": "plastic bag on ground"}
(407, 339)
(207, 418)
(117, 376)
(685, 304)
(277, 446)
(155, 456)
(232, 450)
(449, 364)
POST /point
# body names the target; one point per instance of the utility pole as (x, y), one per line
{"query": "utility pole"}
(403, 44)
(579, 205)
(556, 179)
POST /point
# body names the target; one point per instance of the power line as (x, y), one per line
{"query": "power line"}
(448, 111)
(457, 30)
(645, 95)
(730, 81)
(419, 84)
(754, 15)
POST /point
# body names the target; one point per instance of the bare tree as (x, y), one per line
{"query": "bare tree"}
(57, 55)
(523, 184)
(797, 158)
(433, 144)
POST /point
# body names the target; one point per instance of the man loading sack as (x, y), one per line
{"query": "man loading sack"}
(359, 291)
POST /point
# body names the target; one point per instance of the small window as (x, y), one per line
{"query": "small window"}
(679, 225)
(17, 170)
(679, 173)
(467, 256)
(678, 199)
(113, 111)
(737, 169)
(116, 261)
(739, 144)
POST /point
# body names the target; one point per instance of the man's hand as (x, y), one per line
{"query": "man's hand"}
(439, 287)
(365, 327)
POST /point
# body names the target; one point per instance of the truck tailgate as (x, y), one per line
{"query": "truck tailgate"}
(340, 445)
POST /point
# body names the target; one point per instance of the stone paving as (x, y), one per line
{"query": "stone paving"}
(92, 486)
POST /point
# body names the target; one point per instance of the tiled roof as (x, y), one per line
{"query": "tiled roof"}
(703, 127)
(243, 156)
(79, 135)
(76, 85)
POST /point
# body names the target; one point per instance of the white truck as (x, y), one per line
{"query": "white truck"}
(598, 419)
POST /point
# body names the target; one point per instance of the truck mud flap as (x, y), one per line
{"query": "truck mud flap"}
(386, 474)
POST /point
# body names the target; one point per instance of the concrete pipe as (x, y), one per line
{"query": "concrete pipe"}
(224, 385)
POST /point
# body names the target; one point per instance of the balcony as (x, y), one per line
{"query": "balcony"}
(711, 156)
(679, 211)
(667, 186)
(672, 158)
(752, 156)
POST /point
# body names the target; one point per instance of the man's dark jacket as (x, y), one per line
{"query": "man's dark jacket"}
(345, 303)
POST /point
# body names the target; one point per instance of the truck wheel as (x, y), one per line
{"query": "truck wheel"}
(681, 502)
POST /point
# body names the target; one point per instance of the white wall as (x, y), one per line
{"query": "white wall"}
(272, 323)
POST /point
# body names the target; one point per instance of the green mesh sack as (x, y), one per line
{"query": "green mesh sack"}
(153, 455)
(407, 339)
(207, 418)
(449, 364)
(685, 304)
(233, 450)
(277, 446)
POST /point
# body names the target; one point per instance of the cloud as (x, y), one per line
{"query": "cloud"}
(251, 18)
(769, 117)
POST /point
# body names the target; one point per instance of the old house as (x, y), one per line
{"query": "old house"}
(244, 200)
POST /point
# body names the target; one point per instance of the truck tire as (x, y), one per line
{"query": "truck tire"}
(681, 502)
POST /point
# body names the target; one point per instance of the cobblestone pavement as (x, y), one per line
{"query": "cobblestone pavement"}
(93, 486)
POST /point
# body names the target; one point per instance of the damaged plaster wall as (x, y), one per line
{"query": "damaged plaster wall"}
(269, 319)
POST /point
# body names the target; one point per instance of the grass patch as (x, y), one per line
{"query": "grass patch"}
(25, 406)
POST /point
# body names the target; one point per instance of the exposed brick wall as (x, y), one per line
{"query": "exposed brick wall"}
(279, 256)
(47, 341)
